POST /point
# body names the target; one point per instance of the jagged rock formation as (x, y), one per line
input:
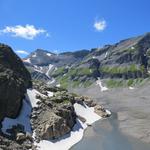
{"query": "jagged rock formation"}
(14, 80)
(54, 116)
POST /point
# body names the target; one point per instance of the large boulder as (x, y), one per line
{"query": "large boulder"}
(52, 123)
(14, 80)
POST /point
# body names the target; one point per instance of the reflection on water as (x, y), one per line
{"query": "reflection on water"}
(105, 135)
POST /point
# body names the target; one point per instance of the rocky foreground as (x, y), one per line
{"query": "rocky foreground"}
(31, 111)
(52, 117)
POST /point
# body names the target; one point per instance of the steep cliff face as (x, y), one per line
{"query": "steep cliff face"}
(127, 59)
(14, 80)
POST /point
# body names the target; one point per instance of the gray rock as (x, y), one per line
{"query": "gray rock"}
(101, 111)
(14, 75)
(20, 136)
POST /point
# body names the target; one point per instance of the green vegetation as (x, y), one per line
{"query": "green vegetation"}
(114, 83)
(83, 71)
(59, 71)
(66, 101)
(87, 83)
(131, 50)
(130, 82)
(75, 83)
(121, 69)
(72, 78)
(79, 72)
(64, 81)
(74, 94)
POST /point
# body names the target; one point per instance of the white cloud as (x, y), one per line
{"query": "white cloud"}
(28, 31)
(22, 52)
(100, 25)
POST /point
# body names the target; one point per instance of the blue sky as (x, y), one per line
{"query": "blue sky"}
(68, 25)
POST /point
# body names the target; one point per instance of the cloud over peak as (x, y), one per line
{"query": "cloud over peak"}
(27, 32)
(22, 52)
(100, 25)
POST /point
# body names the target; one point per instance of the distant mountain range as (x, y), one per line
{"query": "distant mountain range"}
(123, 63)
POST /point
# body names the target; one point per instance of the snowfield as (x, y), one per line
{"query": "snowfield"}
(131, 88)
(48, 54)
(23, 119)
(49, 69)
(34, 55)
(106, 54)
(31, 96)
(87, 113)
(103, 88)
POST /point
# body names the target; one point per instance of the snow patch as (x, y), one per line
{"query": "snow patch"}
(55, 68)
(48, 54)
(65, 142)
(23, 119)
(67, 67)
(103, 88)
(58, 85)
(131, 88)
(106, 54)
(36, 69)
(50, 94)
(29, 102)
(108, 112)
(87, 113)
(132, 47)
(34, 55)
(52, 81)
(31, 96)
(35, 66)
(27, 60)
(68, 140)
(49, 69)
(64, 74)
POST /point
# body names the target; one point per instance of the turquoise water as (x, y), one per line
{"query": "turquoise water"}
(105, 135)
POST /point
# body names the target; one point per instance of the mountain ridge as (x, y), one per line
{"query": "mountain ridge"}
(127, 59)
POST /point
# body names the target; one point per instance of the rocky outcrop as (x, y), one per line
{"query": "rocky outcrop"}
(98, 109)
(14, 80)
(54, 116)
(9, 144)
(53, 123)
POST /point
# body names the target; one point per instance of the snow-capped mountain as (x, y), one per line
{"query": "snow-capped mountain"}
(42, 63)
